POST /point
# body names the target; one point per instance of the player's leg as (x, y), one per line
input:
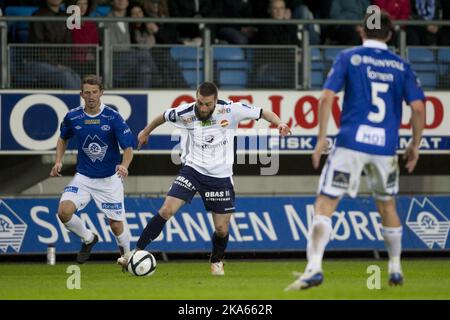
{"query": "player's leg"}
(108, 194)
(339, 176)
(122, 236)
(156, 224)
(72, 222)
(218, 197)
(383, 174)
(219, 242)
(392, 233)
(76, 197)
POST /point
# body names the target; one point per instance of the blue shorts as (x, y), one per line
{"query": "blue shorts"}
(217, 193)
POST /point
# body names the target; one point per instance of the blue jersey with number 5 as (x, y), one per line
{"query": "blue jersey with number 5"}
(376, 82)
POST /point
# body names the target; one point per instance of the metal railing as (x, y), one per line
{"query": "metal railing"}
(289, 67)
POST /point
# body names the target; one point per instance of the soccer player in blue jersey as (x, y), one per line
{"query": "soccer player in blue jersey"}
(208, 155)
(98, 130)
(376, 82)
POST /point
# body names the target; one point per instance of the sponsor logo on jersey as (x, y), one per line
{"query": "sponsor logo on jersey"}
(184, 182)
(127, 130)
(71, 189)
(340, 179)
(208, 123)
(189, 119)
(224, 195)
(92, 121)
(77, 117)
(94, 148)
(224, 123)
(112, 206)
(105, 127)
(224, 110)
(428, 223)
(355, 60)
(12, 228)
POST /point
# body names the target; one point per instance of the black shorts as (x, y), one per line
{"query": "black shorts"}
(217, 193)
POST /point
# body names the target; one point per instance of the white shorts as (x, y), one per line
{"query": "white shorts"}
(106, 192)
(342, 172)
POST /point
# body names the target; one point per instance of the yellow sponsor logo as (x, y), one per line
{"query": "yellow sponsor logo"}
(92, 121)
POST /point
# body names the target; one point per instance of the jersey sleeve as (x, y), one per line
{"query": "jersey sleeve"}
(412, 89)
(66, 131)
(172, 115)
(123, 133)
(336, 77)
(242, 111)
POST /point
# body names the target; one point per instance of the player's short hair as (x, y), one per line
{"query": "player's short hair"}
(382, 32)
(207, 89)
(93, 80)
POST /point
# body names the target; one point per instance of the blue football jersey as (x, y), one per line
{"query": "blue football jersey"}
(98, 138)
(375, 82)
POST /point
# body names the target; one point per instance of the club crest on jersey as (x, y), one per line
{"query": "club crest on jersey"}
(224, 123)
(105, 127)
(94, 148)
(208, 139)
(12, 228)
(428, 223)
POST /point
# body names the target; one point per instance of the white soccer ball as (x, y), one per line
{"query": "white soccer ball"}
(141, 263)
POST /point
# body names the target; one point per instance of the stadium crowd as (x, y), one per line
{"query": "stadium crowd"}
(146, 68)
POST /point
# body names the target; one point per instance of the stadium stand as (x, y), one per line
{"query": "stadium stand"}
(18, 31)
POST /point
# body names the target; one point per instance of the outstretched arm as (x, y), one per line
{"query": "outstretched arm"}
(144, 133)
(61, 147)
(325, 104)
(418, 122)
(271, 117)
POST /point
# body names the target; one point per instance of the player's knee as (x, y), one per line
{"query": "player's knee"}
(166, 212)
(65, 211)
(222, 230)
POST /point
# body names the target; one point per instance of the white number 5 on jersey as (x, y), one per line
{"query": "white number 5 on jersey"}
(378, 87)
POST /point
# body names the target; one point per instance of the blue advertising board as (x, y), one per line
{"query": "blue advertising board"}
(30, 225)
(29, 122)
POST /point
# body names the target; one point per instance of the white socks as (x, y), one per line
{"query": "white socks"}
(319, 236)
(123, 241)
(76, 225)
(393, 242)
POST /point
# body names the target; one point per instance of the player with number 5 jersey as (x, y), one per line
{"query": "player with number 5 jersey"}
(375, 82)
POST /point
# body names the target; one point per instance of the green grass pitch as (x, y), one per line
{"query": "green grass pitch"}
(188, 280)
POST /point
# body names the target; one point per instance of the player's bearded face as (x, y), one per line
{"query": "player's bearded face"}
(204, 107)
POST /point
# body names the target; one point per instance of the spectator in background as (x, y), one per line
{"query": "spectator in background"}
(275, 68)
(348, 10)
(132, 68)
(169, 73)
(235, 34)
(85, 57)
(398, 10)
(140, 32)
(444, 34)
(421, 10)
(301, 10)
(49, 69)
(191, 34)
(167, 33)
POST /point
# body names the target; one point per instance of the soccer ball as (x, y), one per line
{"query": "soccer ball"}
(141, 263)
